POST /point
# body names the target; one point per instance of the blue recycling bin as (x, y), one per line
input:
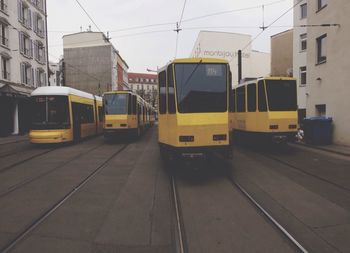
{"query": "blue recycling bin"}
(318, 130)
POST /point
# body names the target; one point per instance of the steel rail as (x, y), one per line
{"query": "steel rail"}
(178, 216)
(275, 222)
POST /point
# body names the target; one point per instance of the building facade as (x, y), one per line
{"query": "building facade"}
(146, 85)
(24, 61)
(92, 64)
(55, 73)
(328, 75)
(300, 42)
(226, 45)
(282, 54)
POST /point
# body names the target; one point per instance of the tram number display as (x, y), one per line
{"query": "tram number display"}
(44, 99)
(213, 70)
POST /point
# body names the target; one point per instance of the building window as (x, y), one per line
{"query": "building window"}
(303, 42)
(5, 68)
(321, 4)
(24, 14)
(302, 76)
(320, 110)
(39, 52)
(321, 43)
(4, 34)
(138, 87)
(40, 77)
(303, 11)
(38, 25)
(3, 5)
(25, 45)
(27, 74)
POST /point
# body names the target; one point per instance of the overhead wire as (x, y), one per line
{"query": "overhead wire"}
(81, 6)
(264, 29)
(178, 27)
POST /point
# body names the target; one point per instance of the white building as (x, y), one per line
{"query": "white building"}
(299, 54)
(146, 85)
(23, 52)
(226, 45)
(328, 75)
(55, 78)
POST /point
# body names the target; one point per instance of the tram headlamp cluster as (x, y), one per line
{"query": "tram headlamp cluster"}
(273, 126)
(186, 138)
(292, 126)
(219, 137)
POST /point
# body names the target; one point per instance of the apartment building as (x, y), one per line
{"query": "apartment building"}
(299, 53)
(23, 60)
(282, 53)
(92, 64)
(328, 54)
(146, 85)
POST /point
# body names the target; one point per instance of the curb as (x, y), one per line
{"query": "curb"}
(321, 148)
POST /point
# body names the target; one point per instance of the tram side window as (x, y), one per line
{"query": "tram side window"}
(162, 92)
(100, 113)
(241, 99)
(233, 101)
(261, 97)
(134, 103)
(129, 104)
(251, 89)
(86, 113)
(171, 91)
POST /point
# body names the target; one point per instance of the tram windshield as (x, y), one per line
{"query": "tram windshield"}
(116, 104)
(201, 87)
(50, 112)
(282, 95)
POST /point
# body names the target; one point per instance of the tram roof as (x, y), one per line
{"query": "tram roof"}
(62, 91)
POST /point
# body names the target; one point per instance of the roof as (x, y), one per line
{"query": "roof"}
(62, 91)
(141, 75)
(194, 60)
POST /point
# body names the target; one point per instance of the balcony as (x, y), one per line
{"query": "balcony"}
(4, 41)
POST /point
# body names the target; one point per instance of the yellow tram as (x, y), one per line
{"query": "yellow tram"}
(266, 108)
(193, 108)
(63, 114)
(125, 111)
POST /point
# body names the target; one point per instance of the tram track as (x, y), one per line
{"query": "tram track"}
(268, 216)
(46, 214)
(299, 169)
(180, 236)
(180, 231)
(36, 177)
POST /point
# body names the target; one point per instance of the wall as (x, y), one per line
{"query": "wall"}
(282, 53)
(332, 88)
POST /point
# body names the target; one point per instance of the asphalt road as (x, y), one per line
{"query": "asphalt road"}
(98, 196)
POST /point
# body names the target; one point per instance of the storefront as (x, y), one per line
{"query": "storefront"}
(14, 109)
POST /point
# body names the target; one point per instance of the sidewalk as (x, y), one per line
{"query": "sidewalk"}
(333, 148)
(13, 139)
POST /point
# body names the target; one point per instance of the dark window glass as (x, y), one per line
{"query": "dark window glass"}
(251, 89)
(50, 112)
(302, 79)
(321, 48)
(232, 100)
(261, 97)
(115, 103)
(240, 99)
(171, 91)
(129, 104)
(321, 4)
(100, 113)
(162, 92)
(303, 11)
(134, 104)
(282, 95)
(201, 87)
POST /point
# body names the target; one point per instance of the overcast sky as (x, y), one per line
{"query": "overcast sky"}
(155, 45)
